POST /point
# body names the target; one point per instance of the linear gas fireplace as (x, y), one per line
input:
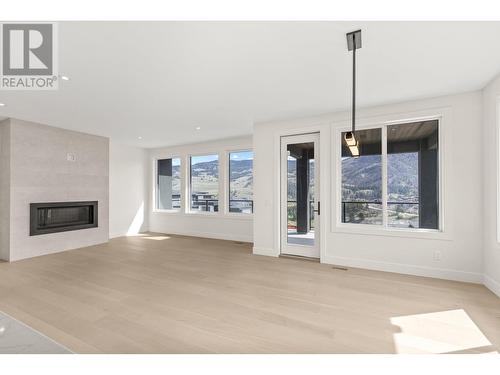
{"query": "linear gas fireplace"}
(62, 216)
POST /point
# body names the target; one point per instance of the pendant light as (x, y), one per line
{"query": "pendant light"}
(353, 43)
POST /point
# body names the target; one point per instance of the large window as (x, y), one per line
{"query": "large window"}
(204, 183)
(411, 180)
(168, 190)
(412, 175)
(362, 179)
(241, 182)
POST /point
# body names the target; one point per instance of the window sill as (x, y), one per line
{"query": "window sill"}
(369, 230)
(210, 215)
(236, 216)
(159, 211)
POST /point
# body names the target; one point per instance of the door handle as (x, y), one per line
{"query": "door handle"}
(318, 211)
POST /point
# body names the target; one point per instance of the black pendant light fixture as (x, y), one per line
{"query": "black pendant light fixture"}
(353, 43)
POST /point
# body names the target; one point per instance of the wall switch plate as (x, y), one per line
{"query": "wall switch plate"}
(437, 255)
(70, 157)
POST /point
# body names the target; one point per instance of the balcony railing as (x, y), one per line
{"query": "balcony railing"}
(205, 204)
(241, 205)
(292, 217)
(366, 203)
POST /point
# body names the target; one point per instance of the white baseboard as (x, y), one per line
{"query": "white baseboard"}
(215, 236)
(265, 251)
(439, 273)
(491, 284)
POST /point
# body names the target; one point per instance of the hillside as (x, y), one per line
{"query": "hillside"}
(205, 178)
(361, 178)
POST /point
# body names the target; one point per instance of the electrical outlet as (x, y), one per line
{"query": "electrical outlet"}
(70, 157)
(437, 255)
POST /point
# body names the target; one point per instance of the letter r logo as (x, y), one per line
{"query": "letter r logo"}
(27, 49)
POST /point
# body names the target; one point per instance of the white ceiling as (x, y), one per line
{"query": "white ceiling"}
(160, 80)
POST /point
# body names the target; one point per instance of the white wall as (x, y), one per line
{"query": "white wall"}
(461, 242)
(5, 190)
(128, 179)
(215, 225)
(40, 172)
(490, 138)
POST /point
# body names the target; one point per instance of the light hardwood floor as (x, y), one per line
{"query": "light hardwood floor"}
(173, 294)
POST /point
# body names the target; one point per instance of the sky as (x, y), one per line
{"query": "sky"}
(242, 155)
(238, 155)
(203, 158)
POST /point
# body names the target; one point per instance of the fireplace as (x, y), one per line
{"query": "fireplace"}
(62, 216)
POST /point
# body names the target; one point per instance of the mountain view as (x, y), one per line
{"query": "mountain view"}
(205, 178)
(205, 184)
(292, 180)
(241, 179)
(361, 182)
(176, 180)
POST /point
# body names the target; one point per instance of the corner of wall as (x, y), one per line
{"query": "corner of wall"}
(128, 188)
(491, 284)
(5, 190)
(146, 194)
(265, 252)
(490, 206)
(219, 226)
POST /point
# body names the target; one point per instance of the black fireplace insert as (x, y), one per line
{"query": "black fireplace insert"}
(62, 216)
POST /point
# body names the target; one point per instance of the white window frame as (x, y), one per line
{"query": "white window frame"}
(384, 229)
(155, 184)
(188, 189)
(227, 184)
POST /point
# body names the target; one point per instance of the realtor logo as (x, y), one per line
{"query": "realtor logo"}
(28, 56)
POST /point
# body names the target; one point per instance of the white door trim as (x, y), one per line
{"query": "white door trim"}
(285, 247)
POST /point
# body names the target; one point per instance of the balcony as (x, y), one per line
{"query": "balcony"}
(292, 214)
(400, 214)
(241, 206)
(212, 205)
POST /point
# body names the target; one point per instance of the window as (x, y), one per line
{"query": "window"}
(168, 192)
(411, 179)
(412, 175)
(241, 182)
(204, 183)
(362, 180)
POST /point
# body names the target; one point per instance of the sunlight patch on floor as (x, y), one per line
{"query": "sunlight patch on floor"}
(156, 238)
(439, 332)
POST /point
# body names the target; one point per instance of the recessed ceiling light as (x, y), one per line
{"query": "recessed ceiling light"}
(139, 137)
(2, 104)
(198, 128)
(65, 78)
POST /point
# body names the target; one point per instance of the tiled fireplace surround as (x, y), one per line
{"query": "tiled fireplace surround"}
(40, 163)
